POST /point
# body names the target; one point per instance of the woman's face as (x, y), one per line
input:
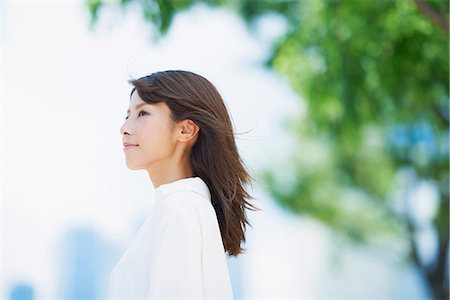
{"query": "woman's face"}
(148, 127)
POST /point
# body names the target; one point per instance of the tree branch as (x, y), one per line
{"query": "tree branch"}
(433, 15)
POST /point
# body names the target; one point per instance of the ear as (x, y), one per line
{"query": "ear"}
(187, 131)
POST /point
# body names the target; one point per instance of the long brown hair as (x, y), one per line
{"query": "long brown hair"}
(214, 156)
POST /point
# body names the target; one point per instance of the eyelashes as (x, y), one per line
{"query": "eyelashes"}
(138, 114)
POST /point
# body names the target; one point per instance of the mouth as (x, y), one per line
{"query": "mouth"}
(128, 146)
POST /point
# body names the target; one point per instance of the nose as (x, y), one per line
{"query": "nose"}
(124, 129)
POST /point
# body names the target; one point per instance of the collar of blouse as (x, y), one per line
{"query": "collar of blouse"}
(194, 184)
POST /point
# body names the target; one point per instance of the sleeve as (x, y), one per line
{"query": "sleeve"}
(176, 263)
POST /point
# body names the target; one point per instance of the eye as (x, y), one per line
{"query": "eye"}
(138, 114)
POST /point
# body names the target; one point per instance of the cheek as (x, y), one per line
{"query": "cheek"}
(155, 139)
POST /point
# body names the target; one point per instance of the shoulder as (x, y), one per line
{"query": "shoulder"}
(180, 204)
(185, 200)
(178, 216)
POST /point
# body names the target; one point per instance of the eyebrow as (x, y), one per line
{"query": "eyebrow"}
(137, 106)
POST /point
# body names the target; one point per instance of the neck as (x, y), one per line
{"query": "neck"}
(169, 172)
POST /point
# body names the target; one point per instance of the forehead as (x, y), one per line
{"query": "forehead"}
(136, 102)
(135, 99)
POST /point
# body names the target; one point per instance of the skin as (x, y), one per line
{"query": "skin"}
(163, 146)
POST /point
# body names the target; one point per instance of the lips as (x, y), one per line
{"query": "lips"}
(129, 145)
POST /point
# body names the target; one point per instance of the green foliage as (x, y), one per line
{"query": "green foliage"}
(93, 7)
(159, 13)
(365, 67)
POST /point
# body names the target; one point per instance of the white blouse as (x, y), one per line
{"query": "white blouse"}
(177, 252)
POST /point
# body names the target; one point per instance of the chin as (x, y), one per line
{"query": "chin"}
(134, 166)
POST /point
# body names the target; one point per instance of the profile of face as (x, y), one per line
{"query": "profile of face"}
(148, 128)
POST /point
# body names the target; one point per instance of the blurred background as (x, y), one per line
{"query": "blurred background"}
(341, 113)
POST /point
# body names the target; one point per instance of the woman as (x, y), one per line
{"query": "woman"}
(178, 129)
